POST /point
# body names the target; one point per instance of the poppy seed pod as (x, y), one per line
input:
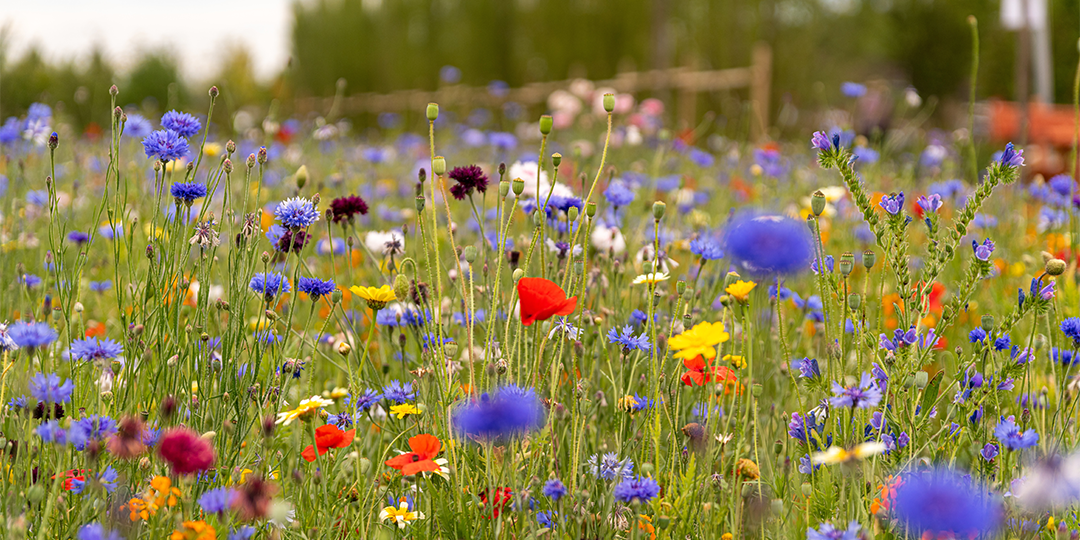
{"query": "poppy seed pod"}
(847, 263)
(519, 186)
(817, 202)
(545, 124)
(438, 166)
(432, 111)
(504, 188)
(987, 322)
(658, 209)
(572, 214)
(868, 259)
(590, 209)
(556, 159)
(854, 301)
(609, 103)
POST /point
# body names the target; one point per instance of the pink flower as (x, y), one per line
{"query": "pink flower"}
(186, 451)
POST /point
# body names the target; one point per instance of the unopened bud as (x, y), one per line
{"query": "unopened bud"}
(438, 166)
(1055, 267)
(609, 103)
(470, 254)
(114, 91)
(817, 202)
(214, 92)
(301, 176)
(545, 125)
(658, 209)
(432, 111)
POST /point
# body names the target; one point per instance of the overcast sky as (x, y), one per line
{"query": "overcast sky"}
(194, 29)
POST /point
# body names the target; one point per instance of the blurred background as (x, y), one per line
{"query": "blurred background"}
(282, 57)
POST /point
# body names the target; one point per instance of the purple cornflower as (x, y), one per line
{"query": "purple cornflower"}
(269, 285)
(826, 531)
(216, 501)
(508, 412)
(48, 388)
(398, 393)
(821, 141)
(31, 335)
(554, 489)
(893, 204)
(1071, 328)
(296, 213)
(930, 204)
(95, 531)
(863, 396)
(165, 145)
(983, 250)
(1012, 438)
(628, 340)
(641, 489)
(187, 191)
(1011, 157)
(314, 287)
(943, 503)
(183, 124)
(95, 349)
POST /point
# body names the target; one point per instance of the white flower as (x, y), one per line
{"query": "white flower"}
(385, 242)
(608, 239)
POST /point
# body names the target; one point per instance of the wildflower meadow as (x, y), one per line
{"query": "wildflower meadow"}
(591, 326)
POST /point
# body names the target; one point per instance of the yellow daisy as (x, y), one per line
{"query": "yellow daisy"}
(701, 340)
(376, 298)
(305, 409)
(836, 454)
(401, 514)
(404, 409)
(736, 362)
(651, 278)
(740, 290)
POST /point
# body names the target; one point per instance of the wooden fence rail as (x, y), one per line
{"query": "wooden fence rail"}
(686, 81)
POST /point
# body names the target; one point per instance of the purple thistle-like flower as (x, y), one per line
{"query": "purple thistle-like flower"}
(466, 179)
(182, 124)
(930, 204)
(1012, 438)
(165, 145)
(821, 141)
(893, 204)
(1011, 157)
(508, 412)
(641, 489)
(863, 396)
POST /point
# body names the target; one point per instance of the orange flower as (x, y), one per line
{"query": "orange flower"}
(422, 458)
(194, 530)
(701, 372)
(542, 299)
(888, 493)
(327, 437)
(95, 329)
(140, 509)
(163, 492)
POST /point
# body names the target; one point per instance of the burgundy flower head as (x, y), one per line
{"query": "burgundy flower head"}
(185, 451)
(295, 241)
(346, 208)
(466, 180)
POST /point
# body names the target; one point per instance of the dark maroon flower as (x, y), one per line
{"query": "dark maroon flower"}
(467, 179)
(346, 208)
(295, 241)
(252, 500)
(186, 451)
(128, 443)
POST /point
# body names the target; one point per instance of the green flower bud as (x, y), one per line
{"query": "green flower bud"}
(420, 202)
(301, 176)
(807, 489)
(987, 322)
(518, 274)
(572, 214)
(1055, 267)
(432, 111)
(470, 254)
(658, 209)
(811, 223)
(438, 166)
(680, 287)
(817, 202)
(504, 188)
(921, 378)
(869, 258)
(545, 124)
(538, 218)
(519, 186)
(590, 209)
(731, 278)
(609, 103)
(847, 263)
(556, 159)
(335, 296)
(401, 286)
(854, 301)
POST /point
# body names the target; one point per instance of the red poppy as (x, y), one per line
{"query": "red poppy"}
(542, 299)
(422, 458)
(71, 476)
(502, 497)
(701, 372)
(327, 437)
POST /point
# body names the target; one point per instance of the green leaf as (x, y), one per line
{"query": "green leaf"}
(930, 394)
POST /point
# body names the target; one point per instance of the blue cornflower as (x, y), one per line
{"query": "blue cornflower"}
(769, 244)
(1002, 343)
(852, 90)
(641, 489)
(1012, 438)
(29, 280)
(18, 403)
(137, 126)
(243, 533)
(700, 157)
(863, 396)
(51, 432)
(91, 428)
(546, 519)
(270, 285)
(314, 287)
(1011, 157)
(977, 335)
(188, 191)
(165, 145)
(367, 399)
(893, 204)
(183, 124)
(78, 237)
(826, 531)
(296, 213)
(628, 340)
(830, 263)
(107, 479)
(31, 335)
(618, 194)
(808, 368)
(821, 141)
(398, 393)
(100, 286)
(609, 467)
(95, 531)
(930, 204)
(984, 250)
(508, 412)
(554, 489)
(49, 389)
(706, 247)
(216, 501)
(95, 349)
(944, 503)
(1071, 328)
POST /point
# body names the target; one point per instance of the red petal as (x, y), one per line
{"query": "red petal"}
(398, 462)
(420, 466)
(425, 445)
(309, 453)
(347, 438)
(540, 299)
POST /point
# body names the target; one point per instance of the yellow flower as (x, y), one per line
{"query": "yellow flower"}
(404, 409)
(338, 393)
(376, 298)
(212, 149)
(836, 454)
(163, 493)
(740, 289)
(652, 278)
(701, 340)
(194, 530)
(736, 362)
(401, 514)
(306, 408)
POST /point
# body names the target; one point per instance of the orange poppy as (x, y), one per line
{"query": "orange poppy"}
(422, 457)
(699, 372)
(542, 299)
(327, 437)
